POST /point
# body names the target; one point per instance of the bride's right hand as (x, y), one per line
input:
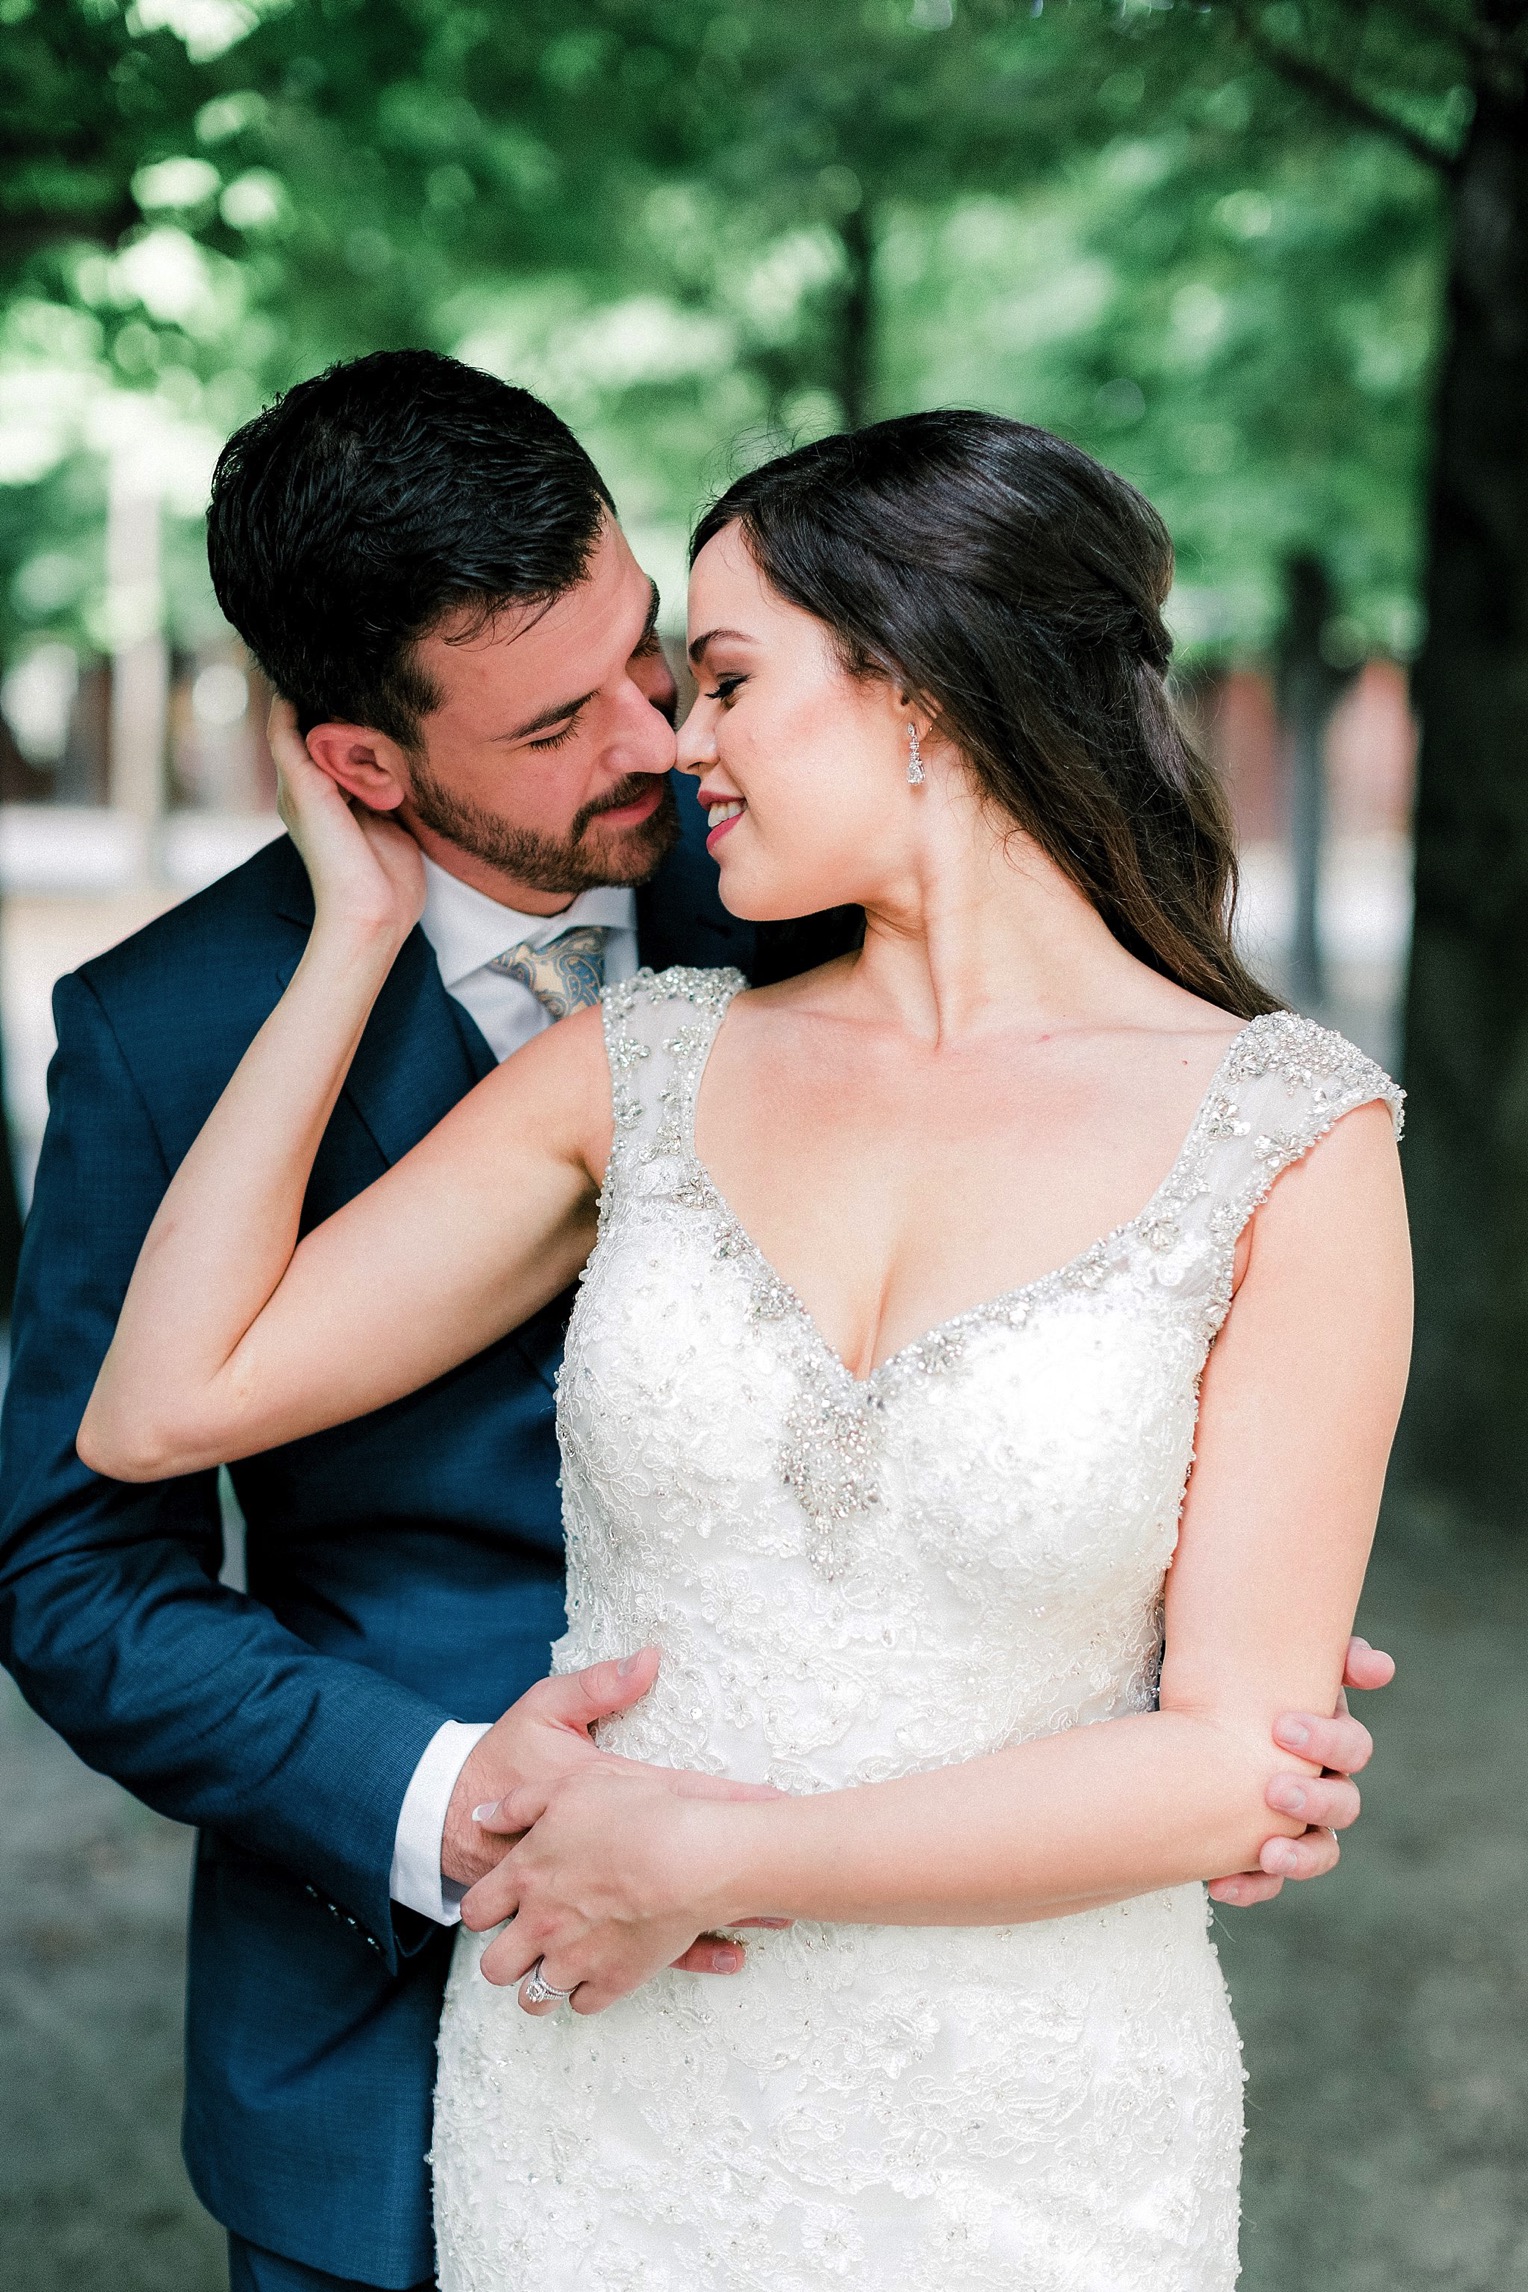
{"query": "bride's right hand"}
(366, 871)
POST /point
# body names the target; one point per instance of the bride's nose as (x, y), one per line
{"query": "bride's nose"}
(697, 741)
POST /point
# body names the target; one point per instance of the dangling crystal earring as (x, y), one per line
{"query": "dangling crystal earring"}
(914, 756)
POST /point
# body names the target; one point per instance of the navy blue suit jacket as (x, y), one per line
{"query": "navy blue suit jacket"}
(402, 1570)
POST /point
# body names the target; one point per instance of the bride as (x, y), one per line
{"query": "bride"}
(994, 1546)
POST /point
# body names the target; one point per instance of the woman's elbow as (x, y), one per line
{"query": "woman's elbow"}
(140, 1450)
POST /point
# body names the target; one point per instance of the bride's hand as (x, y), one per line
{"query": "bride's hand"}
(613, 1880)
(366, 871)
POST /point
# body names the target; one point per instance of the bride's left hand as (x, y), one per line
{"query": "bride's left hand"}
(614, 1879)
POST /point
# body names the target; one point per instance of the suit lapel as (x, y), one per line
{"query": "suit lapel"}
(414, 1061)
(421, 1051)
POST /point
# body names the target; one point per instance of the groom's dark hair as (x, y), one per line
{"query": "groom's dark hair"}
(367, 506)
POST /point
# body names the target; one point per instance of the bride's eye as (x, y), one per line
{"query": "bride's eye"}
(726, 686)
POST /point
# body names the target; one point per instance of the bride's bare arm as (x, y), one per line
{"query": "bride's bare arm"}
(1299, 1406)
(235, 1335)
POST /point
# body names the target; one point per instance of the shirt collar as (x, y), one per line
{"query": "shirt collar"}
(468, 929)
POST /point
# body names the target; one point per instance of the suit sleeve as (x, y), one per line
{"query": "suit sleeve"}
(112, 1620)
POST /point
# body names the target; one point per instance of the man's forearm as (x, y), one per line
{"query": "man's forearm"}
(204, 1706)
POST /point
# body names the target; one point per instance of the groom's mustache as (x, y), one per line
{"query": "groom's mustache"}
(628, 791)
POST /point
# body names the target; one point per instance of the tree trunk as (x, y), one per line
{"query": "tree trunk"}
(856, 318)
(1308, 690)
(1464, 1446)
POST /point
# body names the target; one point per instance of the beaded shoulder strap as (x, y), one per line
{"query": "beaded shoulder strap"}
(659, 1027)
(1283, 1084)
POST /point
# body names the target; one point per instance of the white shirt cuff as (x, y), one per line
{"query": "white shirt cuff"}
(416, 1879)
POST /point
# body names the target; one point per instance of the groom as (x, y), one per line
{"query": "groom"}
(427, 565)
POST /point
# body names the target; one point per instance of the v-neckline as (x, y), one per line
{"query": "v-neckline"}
(1005, 1301)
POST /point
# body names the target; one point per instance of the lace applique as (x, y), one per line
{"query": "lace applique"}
(851, 1581)
(707, 994)
(828, 1454)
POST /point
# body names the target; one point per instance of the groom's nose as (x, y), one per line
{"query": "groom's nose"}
(646, 740)
(654, 679)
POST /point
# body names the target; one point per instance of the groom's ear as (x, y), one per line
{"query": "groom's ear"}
(367, 765)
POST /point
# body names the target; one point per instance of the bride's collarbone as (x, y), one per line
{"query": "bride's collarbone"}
(889, 1219)
(878, 1267)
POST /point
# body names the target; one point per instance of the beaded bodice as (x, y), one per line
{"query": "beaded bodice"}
(852, 1579)
(849, 1581)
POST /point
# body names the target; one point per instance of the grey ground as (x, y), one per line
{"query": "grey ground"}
(1385, 2011)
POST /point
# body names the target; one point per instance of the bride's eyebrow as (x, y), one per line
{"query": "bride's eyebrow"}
(716, 637)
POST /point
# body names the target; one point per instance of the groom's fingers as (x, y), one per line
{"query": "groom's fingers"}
(711, 1954)
(1367, 1667)
(1342, 1744)
(1245, 1888)
(1330, 1802)
(515, 1812)
(1311, 1855)
(580, 1698)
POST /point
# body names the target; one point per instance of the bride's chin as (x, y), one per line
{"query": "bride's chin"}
(766, 893)
(751, 903)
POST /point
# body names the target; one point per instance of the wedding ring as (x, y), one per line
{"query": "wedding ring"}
(536, 1990)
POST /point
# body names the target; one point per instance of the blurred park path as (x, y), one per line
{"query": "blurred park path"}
(1385, 2011)
(93, 2197)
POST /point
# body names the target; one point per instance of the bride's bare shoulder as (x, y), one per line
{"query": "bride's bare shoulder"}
(557, 1086)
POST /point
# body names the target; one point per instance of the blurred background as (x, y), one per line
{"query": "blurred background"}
(1268, 260)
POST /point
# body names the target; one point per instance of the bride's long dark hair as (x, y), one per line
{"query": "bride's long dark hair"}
(1015, 586)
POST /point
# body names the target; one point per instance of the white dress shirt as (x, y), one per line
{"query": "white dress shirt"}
(467, 930)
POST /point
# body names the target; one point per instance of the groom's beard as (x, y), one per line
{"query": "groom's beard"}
(581, 861)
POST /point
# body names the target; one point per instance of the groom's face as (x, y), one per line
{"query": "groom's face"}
(545, 767)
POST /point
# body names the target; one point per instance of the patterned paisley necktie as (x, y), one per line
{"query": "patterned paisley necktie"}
(564, 976)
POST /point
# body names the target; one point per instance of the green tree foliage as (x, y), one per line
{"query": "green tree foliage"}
(703, 230)
(1269, 257)
(1447, 81)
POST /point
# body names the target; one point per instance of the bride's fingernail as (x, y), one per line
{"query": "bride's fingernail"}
(487, 1811)
(1292, 1733)
(626, 1666)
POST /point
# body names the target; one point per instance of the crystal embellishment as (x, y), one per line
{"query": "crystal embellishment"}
(849, 1582)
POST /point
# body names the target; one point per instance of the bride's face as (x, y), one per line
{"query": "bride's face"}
(804, 766)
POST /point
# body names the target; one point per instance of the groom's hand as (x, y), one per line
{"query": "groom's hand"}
(545, 1735)
(1329, 1802)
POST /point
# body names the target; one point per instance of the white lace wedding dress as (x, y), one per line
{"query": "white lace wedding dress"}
(850, 1581)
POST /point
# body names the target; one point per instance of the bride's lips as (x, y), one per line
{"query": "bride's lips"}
(734, 807)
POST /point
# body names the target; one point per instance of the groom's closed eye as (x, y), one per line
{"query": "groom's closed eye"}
(556, 722)
(560, 739)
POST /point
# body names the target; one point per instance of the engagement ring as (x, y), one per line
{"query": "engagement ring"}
(536, 1990)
